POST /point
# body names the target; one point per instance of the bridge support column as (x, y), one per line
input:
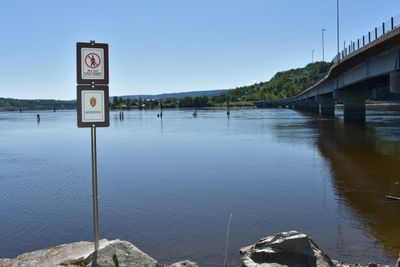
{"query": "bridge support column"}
(311, 105)
(395, 82)
(354, 110)
(354, 103)
(327, 105)
(299, 105)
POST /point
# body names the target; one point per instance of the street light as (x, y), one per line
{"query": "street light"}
(337, 28)
(312, 56)
(323, 46)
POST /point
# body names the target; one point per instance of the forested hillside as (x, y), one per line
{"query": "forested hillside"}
(284, 84)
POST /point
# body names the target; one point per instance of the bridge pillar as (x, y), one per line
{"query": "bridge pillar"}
(354, 102)
(327, 105)
(395, 82)
(312, 105)
(354, 110)
(299, 105)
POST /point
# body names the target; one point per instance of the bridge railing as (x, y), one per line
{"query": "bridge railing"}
(377, 32)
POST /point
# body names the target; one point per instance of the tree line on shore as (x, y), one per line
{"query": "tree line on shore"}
(11, 104)
(284, 84)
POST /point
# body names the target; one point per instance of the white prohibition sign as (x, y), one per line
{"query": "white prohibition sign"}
(92, 63)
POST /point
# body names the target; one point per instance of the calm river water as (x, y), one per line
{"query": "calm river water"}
(170, 185)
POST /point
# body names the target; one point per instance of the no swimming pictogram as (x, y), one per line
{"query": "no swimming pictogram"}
(92, 60)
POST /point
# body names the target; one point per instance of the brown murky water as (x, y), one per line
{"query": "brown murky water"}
(365, 167)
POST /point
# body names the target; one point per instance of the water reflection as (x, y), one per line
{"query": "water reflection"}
(365, 168)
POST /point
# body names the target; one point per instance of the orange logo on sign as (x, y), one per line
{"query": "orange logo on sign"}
(93, 102)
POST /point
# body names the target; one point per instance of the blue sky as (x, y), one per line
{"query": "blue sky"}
(159, 46)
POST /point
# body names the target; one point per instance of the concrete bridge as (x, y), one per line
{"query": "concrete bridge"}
(360, 72)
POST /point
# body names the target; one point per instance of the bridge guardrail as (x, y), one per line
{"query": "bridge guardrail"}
(377, 32)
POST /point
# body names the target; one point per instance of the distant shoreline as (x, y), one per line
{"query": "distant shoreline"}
(371, 105)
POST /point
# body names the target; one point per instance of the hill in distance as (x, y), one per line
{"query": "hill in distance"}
(11, 104)
(284, 84)
(179, 95)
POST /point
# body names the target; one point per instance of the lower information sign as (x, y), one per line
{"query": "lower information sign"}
(93, 106)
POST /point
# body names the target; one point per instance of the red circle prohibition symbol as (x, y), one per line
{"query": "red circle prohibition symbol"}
(92, 60)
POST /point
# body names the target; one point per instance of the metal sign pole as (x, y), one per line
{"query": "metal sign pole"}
(93, 109)
(94, 189)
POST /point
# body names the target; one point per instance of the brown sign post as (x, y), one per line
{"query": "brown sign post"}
(93, 107)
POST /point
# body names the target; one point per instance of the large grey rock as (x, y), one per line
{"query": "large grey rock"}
(111, 254)
(53, 256)
(286, 249)
(122, 254)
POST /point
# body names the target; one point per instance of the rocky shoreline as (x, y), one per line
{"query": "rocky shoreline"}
(286, 249)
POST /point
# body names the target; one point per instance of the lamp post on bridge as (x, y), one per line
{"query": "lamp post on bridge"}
(312, 56)
(337, 29)
(323, 46)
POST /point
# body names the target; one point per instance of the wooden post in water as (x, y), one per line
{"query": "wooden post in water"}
(228, 112)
